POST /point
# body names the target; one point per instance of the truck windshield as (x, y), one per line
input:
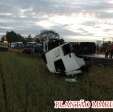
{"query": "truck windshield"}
(66, 49)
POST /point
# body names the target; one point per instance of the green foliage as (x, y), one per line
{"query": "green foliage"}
(2, 38)
(48, 34)
(13, 37)
(28, 39)
(51, 37)
(31, 88)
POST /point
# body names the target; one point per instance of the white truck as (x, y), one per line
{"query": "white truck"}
(62, 60)
(17, 45)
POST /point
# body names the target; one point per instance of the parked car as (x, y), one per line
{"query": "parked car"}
(33, 48)
(28, 49)
(38, 48)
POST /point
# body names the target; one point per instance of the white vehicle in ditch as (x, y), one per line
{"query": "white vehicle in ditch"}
(62, 60)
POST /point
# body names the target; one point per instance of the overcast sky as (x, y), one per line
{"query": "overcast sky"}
(72, 19)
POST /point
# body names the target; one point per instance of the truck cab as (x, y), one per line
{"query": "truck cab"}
(63, 60)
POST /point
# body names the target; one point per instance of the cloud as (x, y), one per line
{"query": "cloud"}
(75, 18)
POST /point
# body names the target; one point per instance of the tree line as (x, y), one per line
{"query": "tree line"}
(45, 35)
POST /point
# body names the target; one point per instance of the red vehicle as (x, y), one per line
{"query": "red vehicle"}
(28, 50)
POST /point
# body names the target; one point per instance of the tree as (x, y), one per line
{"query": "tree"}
(2, 38)
(29, 38)
(48, 34)
(51, 38)
(13, 37)
(10, 36)
(37, 40)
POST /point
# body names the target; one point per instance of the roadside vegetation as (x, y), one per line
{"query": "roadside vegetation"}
(29, 87)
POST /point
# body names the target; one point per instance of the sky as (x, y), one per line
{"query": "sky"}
(74, 20)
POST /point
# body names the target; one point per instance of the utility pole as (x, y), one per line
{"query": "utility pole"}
(103, 40)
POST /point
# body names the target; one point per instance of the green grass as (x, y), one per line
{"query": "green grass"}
(31, 88)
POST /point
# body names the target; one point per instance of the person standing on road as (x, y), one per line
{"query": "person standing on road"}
(107, 53)
(111, 52)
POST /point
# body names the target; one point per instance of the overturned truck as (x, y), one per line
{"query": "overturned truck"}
(63, 60)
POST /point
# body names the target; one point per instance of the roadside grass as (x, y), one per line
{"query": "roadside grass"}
(31, 88)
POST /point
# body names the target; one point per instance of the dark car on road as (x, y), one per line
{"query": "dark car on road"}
(33, 48)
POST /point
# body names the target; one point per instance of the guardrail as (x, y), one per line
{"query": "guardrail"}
(3, 44)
